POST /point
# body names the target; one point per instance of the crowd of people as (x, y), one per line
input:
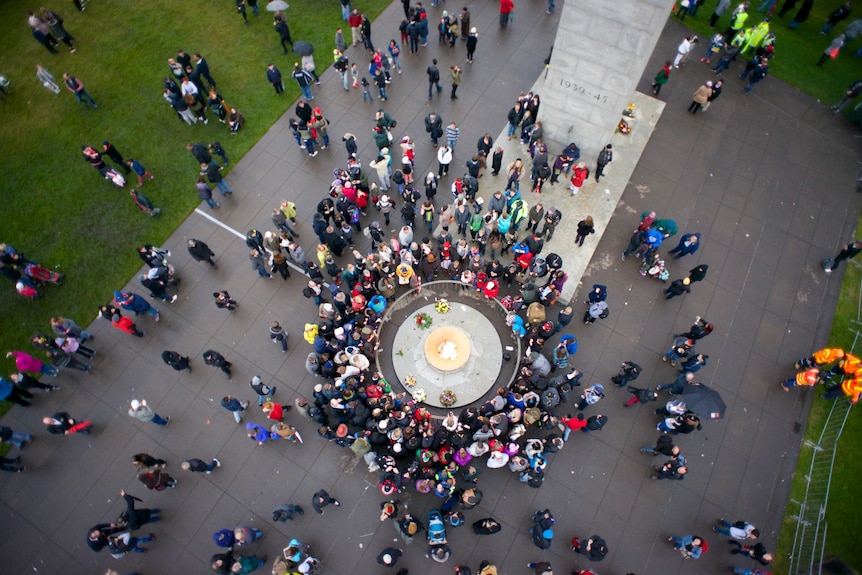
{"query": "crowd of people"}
(519, 427)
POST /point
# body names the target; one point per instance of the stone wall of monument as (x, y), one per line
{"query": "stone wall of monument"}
(600, 53)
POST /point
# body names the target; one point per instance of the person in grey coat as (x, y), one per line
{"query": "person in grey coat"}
(258, 264)
(143, 412)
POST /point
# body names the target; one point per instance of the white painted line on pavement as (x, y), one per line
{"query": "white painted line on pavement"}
(242, 236)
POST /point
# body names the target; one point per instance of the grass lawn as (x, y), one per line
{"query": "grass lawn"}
(58, 210)
(796, 51)
(842, 513)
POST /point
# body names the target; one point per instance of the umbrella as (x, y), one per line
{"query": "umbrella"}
(303, 48)
(277, 5)
(704, 401)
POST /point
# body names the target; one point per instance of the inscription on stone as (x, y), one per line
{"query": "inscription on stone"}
(576, 88)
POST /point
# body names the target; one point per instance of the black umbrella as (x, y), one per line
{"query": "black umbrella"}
(303, 48)
(704, 401)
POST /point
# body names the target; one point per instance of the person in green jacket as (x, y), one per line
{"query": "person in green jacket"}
(661, 78)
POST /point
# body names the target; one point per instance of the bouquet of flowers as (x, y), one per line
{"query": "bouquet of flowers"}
(624, 128)
(418, 395)
(409, 382)
(423, 320)
(442, 306)
(448, 398)
(629, 112)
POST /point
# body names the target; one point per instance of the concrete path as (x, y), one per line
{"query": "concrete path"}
(767, 179)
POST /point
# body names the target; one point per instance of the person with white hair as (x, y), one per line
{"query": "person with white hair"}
(143, 412)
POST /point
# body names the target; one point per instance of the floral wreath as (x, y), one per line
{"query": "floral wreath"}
(423, 320)
(442, 306)
(448, 398)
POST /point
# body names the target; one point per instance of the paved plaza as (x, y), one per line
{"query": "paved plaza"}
(768, 180)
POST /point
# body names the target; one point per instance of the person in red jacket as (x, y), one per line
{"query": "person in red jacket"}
(572, 424)
(579, 174)
(506, 8)
(126, 324)
(274, 411)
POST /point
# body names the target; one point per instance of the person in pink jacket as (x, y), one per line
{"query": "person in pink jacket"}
(26, 362)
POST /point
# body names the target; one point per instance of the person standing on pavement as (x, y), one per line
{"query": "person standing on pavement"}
(143, 412)
(434, 126)
(215, 359)
(201, 252)
(661, 78)
(444, 158)
(321, 499)
(507, 7)
(472, 40)
(759, 73)
(433, 78)
(235, 406)
(303, 80)
(198, 466)
(455, 74)
(176, 361)
(453, 132)
(606, 156)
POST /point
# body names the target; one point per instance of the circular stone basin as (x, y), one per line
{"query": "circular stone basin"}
(447, 348)
(469, 370)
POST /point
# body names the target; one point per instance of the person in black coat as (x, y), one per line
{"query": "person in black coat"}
(434, 126)
(98, 536)
(595, 548)
(132, 518)
(677, 287)
(108, 149)
(201, 252)
(284, 33)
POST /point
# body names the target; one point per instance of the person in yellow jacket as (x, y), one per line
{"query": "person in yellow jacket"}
(808, 378)
(755, 35)
(737, 21)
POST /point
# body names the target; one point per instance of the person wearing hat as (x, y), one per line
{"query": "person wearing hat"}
(472, 40)
(700, 97)
(389, 556)
(606, 156)
(388, 510)
(143, 412)
(677, 287)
